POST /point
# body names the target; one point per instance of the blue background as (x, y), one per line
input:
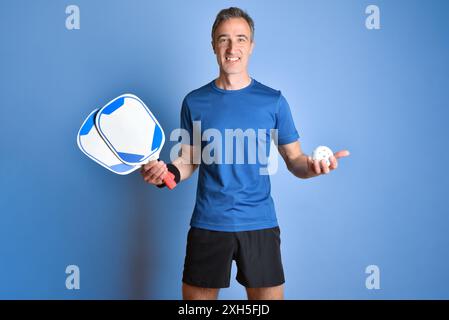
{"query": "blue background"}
(382, 94)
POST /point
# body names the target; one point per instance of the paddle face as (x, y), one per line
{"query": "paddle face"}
(92, 144)
(122, 136)
(134, 144)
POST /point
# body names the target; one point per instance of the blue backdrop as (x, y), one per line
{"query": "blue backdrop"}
(382, 94)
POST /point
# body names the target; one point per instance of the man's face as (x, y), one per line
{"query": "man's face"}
(232, 45)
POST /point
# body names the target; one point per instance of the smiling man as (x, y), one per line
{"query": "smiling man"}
(233, 43)
(234, 217)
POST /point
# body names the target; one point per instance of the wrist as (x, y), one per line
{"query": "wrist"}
(173, 170)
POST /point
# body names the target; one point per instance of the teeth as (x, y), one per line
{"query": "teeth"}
(232, 59)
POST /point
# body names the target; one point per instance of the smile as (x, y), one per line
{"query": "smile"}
(232, 59)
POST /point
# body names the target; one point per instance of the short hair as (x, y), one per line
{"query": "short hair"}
(232, 12)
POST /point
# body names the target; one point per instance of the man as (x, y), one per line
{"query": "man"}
(234, 216)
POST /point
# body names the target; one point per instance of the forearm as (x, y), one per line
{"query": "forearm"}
(186, 168)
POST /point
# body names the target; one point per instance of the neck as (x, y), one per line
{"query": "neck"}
(233, 81)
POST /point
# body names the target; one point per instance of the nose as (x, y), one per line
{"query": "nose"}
(231, 46)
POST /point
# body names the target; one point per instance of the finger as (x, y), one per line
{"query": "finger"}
(324, 167)
(160, 178)
(316, 165)
(310, 164)
(145, 174)
(155, 167)
(334, 163)
(151, 164)
(159, 172)
(151, 173)
(146, 178)
(143, 171)
(150, 179)
(341, 154)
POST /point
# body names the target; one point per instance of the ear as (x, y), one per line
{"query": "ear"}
(213, 47)
(252, 47)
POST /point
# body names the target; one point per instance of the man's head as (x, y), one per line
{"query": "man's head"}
(232, 40)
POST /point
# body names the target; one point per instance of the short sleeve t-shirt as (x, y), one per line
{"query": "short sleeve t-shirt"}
(234, 129)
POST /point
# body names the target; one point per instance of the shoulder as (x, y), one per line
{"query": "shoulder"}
(266, 90)
(199, 92)
(269, 95)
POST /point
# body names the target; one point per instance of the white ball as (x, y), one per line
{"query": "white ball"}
(322, 153)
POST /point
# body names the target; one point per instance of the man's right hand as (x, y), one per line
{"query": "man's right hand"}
(154, 172)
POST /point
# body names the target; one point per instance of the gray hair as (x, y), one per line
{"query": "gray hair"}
(229, 13)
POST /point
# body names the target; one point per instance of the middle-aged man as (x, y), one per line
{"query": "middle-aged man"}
(234, 216)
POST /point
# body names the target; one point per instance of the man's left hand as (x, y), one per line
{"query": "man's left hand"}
(321, 167)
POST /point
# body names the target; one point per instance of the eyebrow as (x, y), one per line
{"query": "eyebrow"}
(227, 35)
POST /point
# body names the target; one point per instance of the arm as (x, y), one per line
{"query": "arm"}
(302, 165)
(184, 162)
(297, 162)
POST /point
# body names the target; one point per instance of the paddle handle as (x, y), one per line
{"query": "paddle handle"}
(169, 180)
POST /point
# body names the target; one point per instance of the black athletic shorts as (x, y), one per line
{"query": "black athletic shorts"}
(209, 256)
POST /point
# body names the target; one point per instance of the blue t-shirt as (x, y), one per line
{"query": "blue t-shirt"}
(232, 193)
